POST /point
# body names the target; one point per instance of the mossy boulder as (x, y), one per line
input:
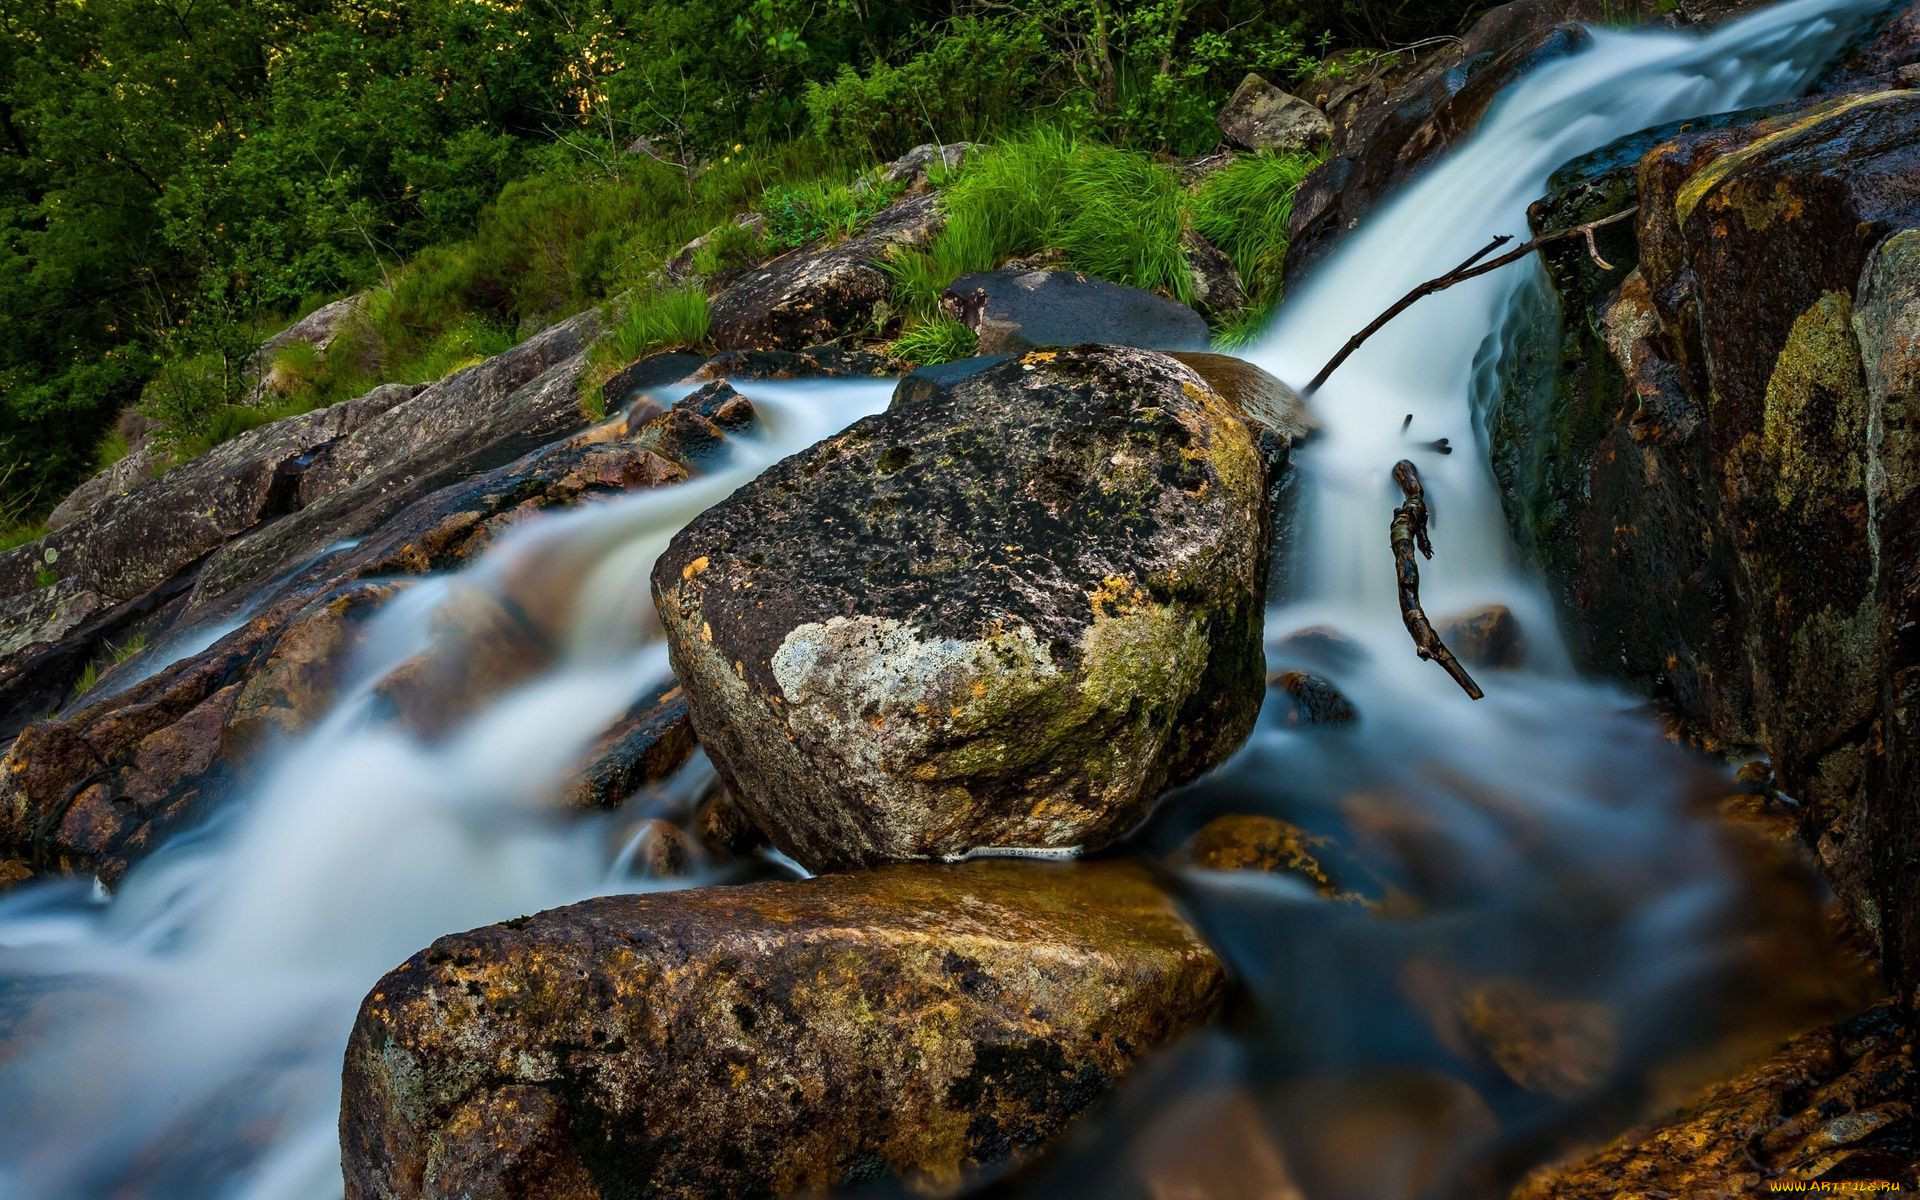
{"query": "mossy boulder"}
(1719, 476)
(912, 1022)
(1005, 616)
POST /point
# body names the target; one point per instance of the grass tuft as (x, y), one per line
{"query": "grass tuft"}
(1245, 208)
(937, 341)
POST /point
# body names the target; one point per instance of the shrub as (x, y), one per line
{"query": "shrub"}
(937, 341)
(186, 391)
(977, 75)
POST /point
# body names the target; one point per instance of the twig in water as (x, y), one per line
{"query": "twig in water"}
(1472, 268)
(1410, 533)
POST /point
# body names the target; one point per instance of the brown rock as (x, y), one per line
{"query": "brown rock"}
(723, 827)
(914, 1021)
(1247, 842)
(651, 742)
(658, 850)
(1560, 1048)
(1487, 637)
(507, 1142)
(1312, 700)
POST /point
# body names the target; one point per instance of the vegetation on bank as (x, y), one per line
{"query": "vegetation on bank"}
(177, 182)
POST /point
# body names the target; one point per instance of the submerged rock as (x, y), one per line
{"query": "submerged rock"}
(1259, 116)
(1250, 842)
(1487, 637)
(1013, 311)
(1312, 700)
(911, 1022)
(1008, 615)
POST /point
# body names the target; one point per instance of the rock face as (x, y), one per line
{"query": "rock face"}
(1015, 311)
(1006, 615)
(1725, 483)
(1832, 1105)
(914, 167)
(1260, 116)
(816, 294)
(910, 1023)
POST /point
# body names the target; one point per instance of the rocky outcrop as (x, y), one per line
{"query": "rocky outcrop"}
(1832, 1106)
(818, 293)
(98, 788)
(318, 328)
(910, 1023)
(913, 169)
(1013, 311)
(1722, 483)
(1007, 615)
(1259, 116)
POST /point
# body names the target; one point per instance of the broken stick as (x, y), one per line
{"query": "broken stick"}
(1472, 268)
(1409, 534)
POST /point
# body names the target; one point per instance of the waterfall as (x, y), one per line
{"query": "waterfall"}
(183, 1037)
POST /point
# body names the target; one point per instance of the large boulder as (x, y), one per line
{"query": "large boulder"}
(1013, 311)
(1259, 116)
(818, 293)
(1721, 475)
(1005, 615)
(911, 1023)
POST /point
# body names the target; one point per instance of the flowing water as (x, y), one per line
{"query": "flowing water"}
(183, 1039)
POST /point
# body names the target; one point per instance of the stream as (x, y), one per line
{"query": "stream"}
(1542, 858)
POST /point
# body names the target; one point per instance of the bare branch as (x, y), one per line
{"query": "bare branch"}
(1409, 533)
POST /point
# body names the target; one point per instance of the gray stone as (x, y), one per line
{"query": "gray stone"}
(1016, 311)
(1260, 116)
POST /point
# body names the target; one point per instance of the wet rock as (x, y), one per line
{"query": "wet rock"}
(1487, 637)
(646, 746)
(1248, 842)
(815, 362)
(506, 1142)
(655, 372)
(1259, 116)
(723, 828)
(1832, 1105)
(816, 294)
(934, 380)
(658, 850)
(1324, 644)
(1876, 61)
(1313, 700)
(1559, 1048)
(1008, 616)
(912, 1022)
(1015, 311)
(1731, 527)
(914, 167)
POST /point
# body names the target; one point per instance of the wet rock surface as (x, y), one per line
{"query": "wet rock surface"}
(1009, 615)
(912, 1023)
(1489, 636)
(1729, 520)
(1832, 1106)
(1013, 311)
(1251, 842)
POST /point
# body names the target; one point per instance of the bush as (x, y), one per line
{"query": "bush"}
(185, 392)
(937, 341)
(976, 76)
(728, 247)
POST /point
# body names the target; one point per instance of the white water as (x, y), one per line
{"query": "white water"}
(194, 1049)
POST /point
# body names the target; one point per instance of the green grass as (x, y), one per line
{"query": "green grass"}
(821, 208)
(127, 649)
(1243, 328)
(1244, 209)
(89, 678)
(729, 246)
(673, 318)
(112, 448)
(20, 533)
(937, 341)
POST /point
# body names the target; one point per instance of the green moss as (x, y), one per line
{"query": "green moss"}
(1816, 405)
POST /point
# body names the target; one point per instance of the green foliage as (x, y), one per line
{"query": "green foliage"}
(1243, 328)
(817, 209)
(20, 533)
(729, 247)
(89, 679)
(1244, 210)
(917, 281)
(976, 77)
(937, 341)
(45, 577)
(187, 392)
(127, 649)
(663, 320)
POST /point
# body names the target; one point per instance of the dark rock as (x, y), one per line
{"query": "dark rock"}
(815, 362)
(723, 828)
(1016, 311)
(1875, 63)
(816, 294)
(1325, 645)
(1246, 842)
(654, 372)
(1259, 116)
(1487, 637)
(1831, 1105)
(913, 1022)
(1313, 700)
(1007, 616)
(1731, 525)
(929, 381)
(650, 743)
(659, 850)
